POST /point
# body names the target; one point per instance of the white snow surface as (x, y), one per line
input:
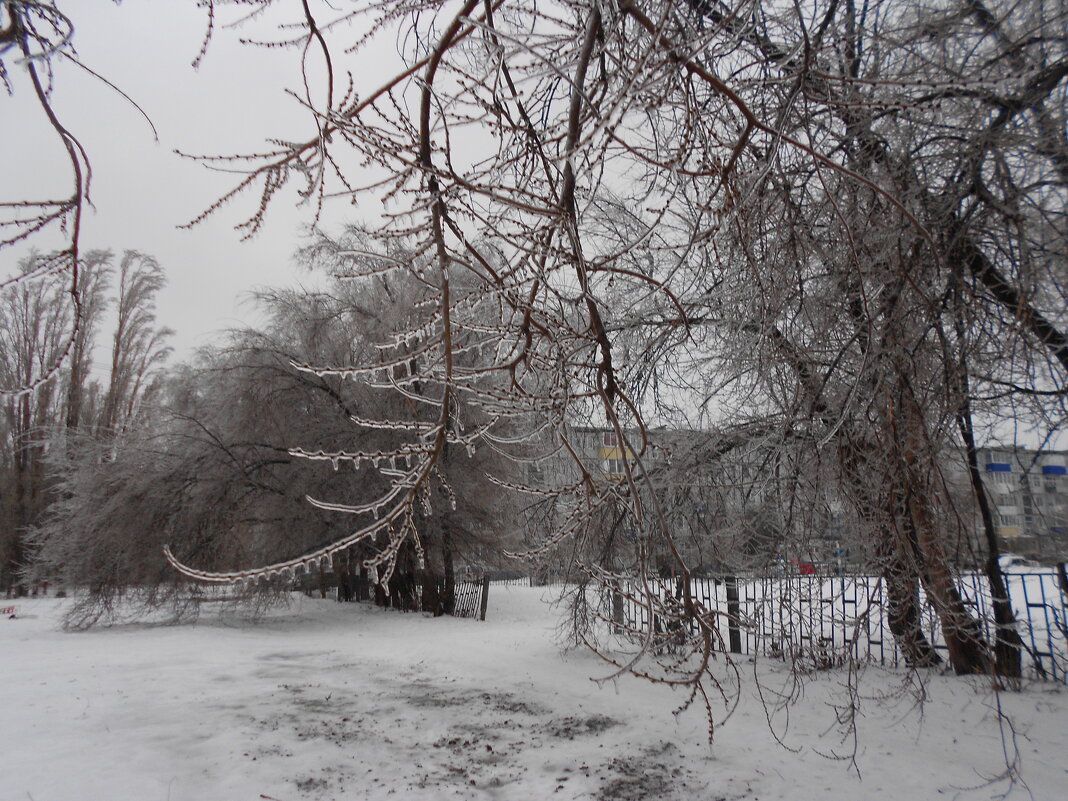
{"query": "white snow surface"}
(345, 701)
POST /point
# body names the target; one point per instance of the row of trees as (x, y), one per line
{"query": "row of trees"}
(214, 471)
(81, 402)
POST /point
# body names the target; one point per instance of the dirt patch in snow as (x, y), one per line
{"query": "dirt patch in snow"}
(652, 774)
(571, 727)
(422, 739)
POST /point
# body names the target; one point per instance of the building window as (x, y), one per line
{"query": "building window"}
(609, 439)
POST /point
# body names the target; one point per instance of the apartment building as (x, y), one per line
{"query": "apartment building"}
(1029, 496)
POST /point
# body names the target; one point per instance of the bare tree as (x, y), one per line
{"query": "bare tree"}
(37, 318)
(138, 345)
(95, 277)
(33, 322)
(37, 34)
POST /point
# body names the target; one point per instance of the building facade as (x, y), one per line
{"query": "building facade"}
(726, 512)
(1029, 497)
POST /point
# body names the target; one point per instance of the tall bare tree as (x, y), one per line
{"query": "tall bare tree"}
(38, 34)
(34, 317)
(139, 346)
(95, 278)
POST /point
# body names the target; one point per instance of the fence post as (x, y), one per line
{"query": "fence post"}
(1062, 577)
(485, 598)
(617, 608)
(734, 632)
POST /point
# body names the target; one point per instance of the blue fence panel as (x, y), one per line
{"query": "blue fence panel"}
(827, 620)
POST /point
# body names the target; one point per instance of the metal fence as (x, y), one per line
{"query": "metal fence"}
(521, 581)
(828, 620)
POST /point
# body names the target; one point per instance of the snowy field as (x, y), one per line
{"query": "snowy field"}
(344, 701)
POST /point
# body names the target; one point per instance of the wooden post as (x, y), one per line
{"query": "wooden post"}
(617, 609)
(485, 598)
(734, 632)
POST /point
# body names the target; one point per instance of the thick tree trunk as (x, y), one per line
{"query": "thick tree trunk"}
(431, 580)
(968, 651)
(448, 599)
(343, 572)
(363, 585)
(1007, 642)
(431, 594)
(904, 612)
(896, 554)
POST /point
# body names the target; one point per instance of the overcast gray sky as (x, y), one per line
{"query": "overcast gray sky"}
(141, 190)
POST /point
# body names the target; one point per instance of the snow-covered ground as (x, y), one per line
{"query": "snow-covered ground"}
(345, 701)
